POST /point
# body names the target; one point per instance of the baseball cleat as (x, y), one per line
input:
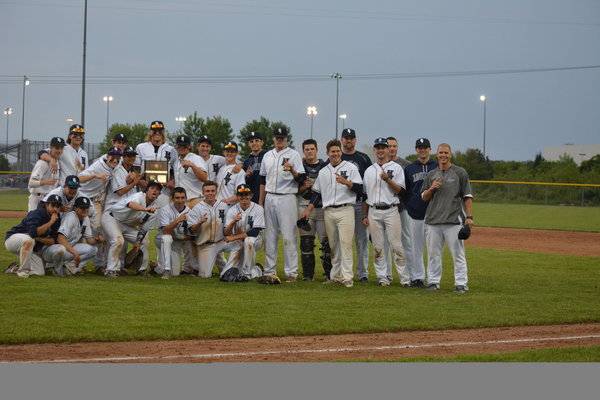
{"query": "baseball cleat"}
(364, 279)
(460, 289)
(383, 283)
(348, 284)
(290, 279)
(166, 275)
(417, 283)
(12, 268)
(432, 287)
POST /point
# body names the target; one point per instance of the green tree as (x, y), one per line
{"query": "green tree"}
(220, 131)
(193, 127)
(4, 164)
(265, 128)
(135, 133)
(591, 164)
(477, 166)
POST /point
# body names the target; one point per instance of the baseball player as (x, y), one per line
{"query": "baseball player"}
(172, 231)
(336, 188)
(42, 180)
(155, 148)
(68, 193)
(448, 191)
(213, 162)
(119, 186)
(312, 166)
(74, 158)
(362, 162)
(382, 183)
(74, 226)
(38, 229)
(206, 221)
(129, 220)
(253, 162)
(281, 170)
(414, 175)
(228, 180)
(119, 141)
(404, 219)
(243, 225)
(190, 170)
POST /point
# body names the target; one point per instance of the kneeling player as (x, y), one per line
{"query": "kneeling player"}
(244, 222)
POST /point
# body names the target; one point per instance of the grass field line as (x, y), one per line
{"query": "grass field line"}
(304, 351)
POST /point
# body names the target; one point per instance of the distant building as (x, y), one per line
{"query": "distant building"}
(579, 152)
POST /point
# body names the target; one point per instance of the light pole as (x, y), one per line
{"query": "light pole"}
(311, 111)
(107, 100)
(343, 118)
(69, 122)
(483, 99)
(181, 120)
(7, 112)
(337, 76)
(20, 162)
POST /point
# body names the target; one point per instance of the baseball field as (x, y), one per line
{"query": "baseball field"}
(534, 296)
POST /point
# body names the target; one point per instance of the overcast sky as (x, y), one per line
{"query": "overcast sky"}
(417, 46)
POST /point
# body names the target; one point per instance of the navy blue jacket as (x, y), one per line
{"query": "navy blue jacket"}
(31, 222)
(254, 163)
(414, 174)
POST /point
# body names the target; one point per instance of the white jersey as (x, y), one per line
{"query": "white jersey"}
(94, 188)
(211, 231)
(73, 229)
(60, 192)
(118, 182)
(378, 192)
(279, 181)
(41, 172)
(128, 216)
(166, 215)
(253, 217)
(214, 164)
(186, 178)
(72, 162)
(332, 192)
(228, 181)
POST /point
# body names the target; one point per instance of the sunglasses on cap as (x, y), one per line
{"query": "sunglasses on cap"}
(230, 146)
(157, 126)
(77, 129)
(243, 190)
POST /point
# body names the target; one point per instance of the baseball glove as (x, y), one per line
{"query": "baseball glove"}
(464, 233)
(269, 279)
(133, 259)
(303, 224)
(233, 275)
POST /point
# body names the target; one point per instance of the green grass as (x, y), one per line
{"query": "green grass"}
(13, 200)
(565, 218)
(507, 288)
(572, 354)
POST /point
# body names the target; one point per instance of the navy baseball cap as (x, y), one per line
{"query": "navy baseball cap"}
(114, 151)
(82, 202)
(120, 136)
(72, 181)
(380, 142)
(157, 125)
(231, 146)
(243, 189)
(76, 128)
(348, 133)
(129, 151)
(54, 199)
(57, 141)
(204, 138)
(183, 140)
(253, 135)
(280, 132)
(422, 142)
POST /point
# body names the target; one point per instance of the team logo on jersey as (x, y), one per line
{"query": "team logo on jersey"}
(285, 161)
(227, 178)
(344, 174)
(215, 168)
(222, 216)
(83, 230)
(250, 221)
(83, 160)
(390, 173)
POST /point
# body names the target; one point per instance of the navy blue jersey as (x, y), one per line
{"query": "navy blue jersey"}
(253, 163)
(414, 174)
(312, 172)
(362, 161)
(31, 222)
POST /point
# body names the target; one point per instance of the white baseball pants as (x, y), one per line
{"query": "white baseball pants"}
(169, 254)
(385, 224)
(436, 236)
(243, 255)
(22, 245)
(34, 200)
(339, 223)
(406, 244)
(317, 223)
(117, 234)
(56, 256)
(207, 256)
(280, 217)
(417, 229)
(361, 235)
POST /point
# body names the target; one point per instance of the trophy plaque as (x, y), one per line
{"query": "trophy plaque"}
(157, 171)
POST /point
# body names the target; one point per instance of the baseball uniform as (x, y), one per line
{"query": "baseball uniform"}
(444, 218)
(384, 220)
(209, 236)
(243, 252)
(71, 162)
(60, 192)
(118, 182)
(214, 164)
(186, 178)
(338, 212)
(148, 152)
(253, 163)
(228, 181)
(41, 172)
(170, 245)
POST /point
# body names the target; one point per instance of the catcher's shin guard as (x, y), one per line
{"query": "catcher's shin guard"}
(326, 257)
(307, 246)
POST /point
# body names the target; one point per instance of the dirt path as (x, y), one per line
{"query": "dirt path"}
(312, 348)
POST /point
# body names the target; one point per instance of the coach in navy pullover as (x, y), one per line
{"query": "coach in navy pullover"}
(32, 222)
(414, 174)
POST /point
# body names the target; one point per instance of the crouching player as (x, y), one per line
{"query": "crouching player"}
(74, 226)
(172, 229)
(128, 221)
(243, 225)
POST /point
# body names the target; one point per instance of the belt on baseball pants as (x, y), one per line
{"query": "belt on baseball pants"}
(384, 207)
(341, 205)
